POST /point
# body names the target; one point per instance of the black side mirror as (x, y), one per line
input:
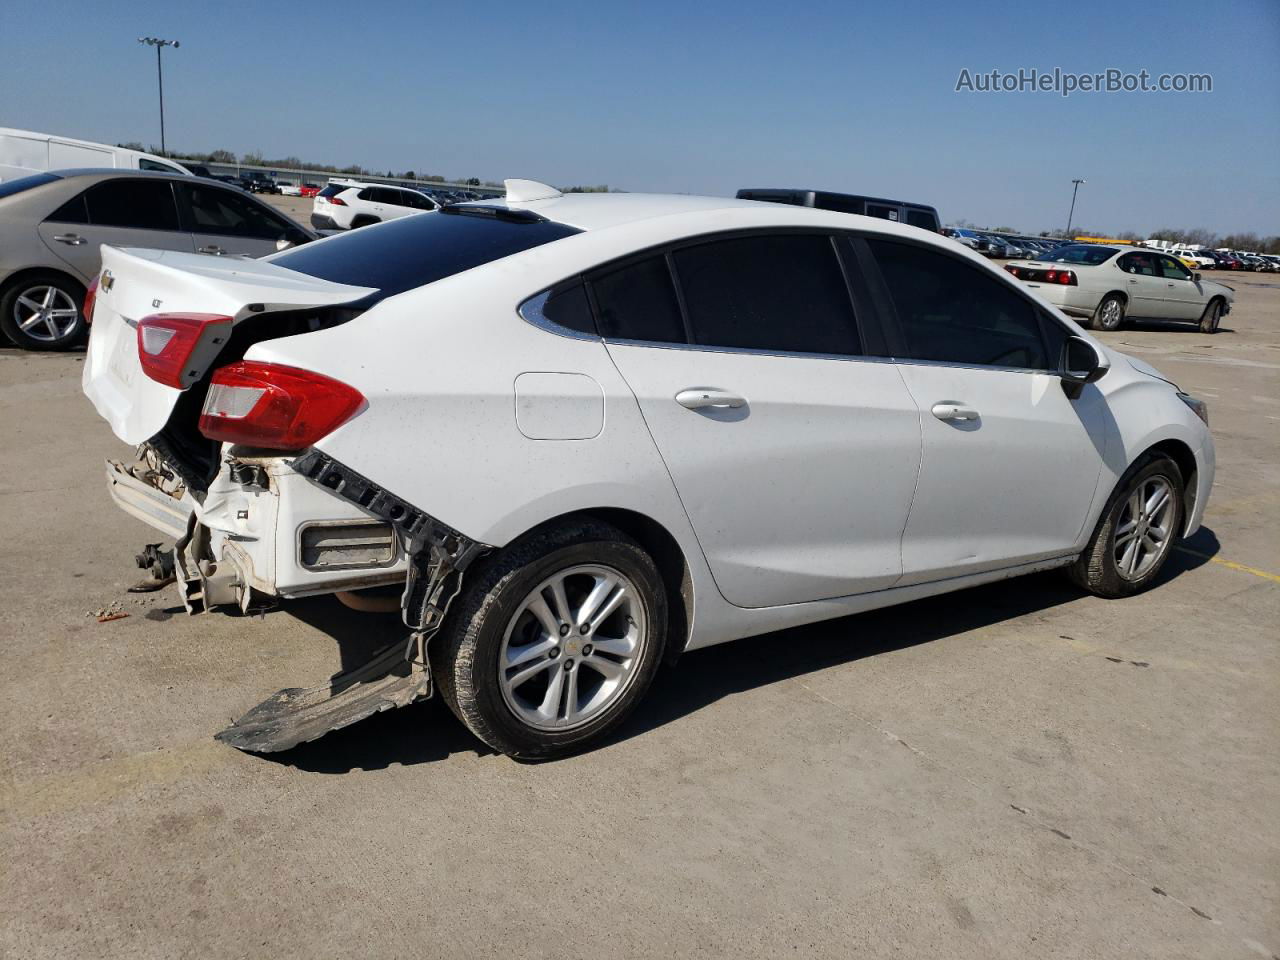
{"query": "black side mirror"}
(1081, 363)
(1195, 277)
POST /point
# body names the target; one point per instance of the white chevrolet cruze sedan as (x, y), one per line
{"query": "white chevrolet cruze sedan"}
(574, 436)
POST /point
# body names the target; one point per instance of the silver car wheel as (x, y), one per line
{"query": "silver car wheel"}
(1110, 317)
(45, 313)
(1143, 533)
(573, 647)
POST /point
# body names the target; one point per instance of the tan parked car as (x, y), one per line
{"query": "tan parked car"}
(53, 226)
(1103, 285)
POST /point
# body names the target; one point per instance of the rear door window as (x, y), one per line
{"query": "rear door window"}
(782, 293)
(135, 204)
(74, 210)
(637, 302)
(950, 311)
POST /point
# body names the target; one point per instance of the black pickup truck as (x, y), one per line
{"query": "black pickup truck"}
(255, 181)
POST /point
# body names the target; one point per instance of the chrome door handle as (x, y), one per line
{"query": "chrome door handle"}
(71, 239)
(950, 410)
(697, 398)
(212, 248)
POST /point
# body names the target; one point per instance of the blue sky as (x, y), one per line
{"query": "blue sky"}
(695, 97)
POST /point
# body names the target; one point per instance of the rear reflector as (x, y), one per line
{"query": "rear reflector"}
(167, 343)
(90, 298)
(273, 406)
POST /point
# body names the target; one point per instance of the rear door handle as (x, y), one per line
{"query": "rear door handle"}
(951, 410)
(71, 239)
(212, 248)
(697, 398)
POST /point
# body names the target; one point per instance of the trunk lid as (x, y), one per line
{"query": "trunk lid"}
(137, 283)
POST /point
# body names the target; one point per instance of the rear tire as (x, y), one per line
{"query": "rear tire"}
(1109, 314)
(1211, 317)
(513, 660)
(49, 305)
(1136, 531)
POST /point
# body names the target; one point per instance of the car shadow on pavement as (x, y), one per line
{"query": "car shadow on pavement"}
(428, 731)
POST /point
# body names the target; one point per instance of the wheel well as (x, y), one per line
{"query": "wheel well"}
(1181, 454)
(21, 275)
(1124, 297)
(669, 558)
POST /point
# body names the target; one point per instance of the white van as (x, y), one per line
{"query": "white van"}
(24, 152)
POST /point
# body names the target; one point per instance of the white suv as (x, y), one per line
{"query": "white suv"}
(347, 204)
(578, 435)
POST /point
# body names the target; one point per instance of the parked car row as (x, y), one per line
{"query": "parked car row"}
(999, 246)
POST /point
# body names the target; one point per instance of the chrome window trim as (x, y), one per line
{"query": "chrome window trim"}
(531, 312)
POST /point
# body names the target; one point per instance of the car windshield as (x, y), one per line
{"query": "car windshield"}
(26, 183)
(1082, 253)
(414, 251)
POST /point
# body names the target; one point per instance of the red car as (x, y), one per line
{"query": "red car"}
(310, 189)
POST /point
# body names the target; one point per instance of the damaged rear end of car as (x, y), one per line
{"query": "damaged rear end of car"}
(224, 466)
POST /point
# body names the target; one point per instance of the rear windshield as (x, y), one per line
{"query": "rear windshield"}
(334, 189)
(9, 188)
(414, 251)
(1084, 253)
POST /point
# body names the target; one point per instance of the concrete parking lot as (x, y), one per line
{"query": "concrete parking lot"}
(1017, 771)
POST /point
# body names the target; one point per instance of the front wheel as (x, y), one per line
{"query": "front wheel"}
(552, 641)
(1109, 313)
(1135, 533)
(1211, 317)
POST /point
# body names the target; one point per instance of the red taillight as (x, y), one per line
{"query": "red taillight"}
(1067, 278)
(90, 298)
(1013, 270)
(168, 342)
(337, 201)
(281, 408)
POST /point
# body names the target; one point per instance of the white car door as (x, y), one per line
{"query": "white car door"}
(794, 456)
(1010, 462)
(1143, 284)
(1183, 298)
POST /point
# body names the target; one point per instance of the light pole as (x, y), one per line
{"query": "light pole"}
(159, 45)
(1074, 188)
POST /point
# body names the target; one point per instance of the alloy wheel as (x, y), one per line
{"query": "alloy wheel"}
(45, 313)
(1110, 315)
(1143, 533)
(572, 648)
